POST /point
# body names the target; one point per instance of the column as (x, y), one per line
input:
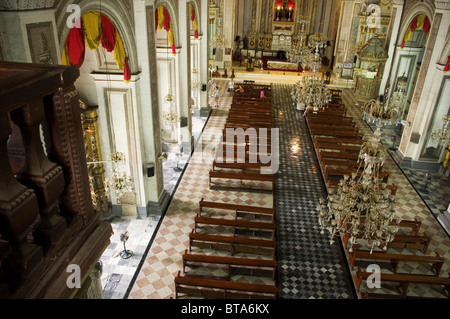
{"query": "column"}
(203, 55)
(184, 74)
(396, 17)
(228, 31)
(343, 36)
(154, 195)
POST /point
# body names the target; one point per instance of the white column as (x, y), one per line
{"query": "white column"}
(395, 20)
(343, 36)
(184, 73)
(204, 49)
(228, 31)
(154, 195)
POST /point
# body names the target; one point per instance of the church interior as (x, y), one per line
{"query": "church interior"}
(225, 149)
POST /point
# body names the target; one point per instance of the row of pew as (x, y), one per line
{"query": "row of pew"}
(337, 141)
(246, 139)
(232, 248)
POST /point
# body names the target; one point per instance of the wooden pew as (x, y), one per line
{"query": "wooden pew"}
(237, 209)
(270, 178)
(337, 155)
(341, 163)
(239, 166)
(414, 225)
(340, 147)
(338, 174)
(420, 242)
(336, 133)
(331, 118)
(257, 228)
(368, 295)
(233, 244)
(336, 140)
(212, 288)
(334, 126)
(257, 265)
(404, 280)
(435, 261)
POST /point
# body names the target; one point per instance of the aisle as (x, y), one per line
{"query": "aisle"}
(164, 259)
(308, 266)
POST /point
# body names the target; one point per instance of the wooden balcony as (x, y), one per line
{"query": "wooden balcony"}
(47, 220)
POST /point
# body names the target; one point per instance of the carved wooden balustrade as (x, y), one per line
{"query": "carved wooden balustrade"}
(47, 220)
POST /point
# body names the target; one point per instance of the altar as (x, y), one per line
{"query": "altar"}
(282, 65)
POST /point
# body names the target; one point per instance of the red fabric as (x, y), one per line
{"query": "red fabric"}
(76, 46)
(403, 43)
(196, 34)
(108, 34)
(166, 20)
(426, 25)
(447, 66)
(192, 14)
(413, 25)
(156, 20)
(126, 71)
(173, 48)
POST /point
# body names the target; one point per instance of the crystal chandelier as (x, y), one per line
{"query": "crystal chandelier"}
(362, 207)
(380, 113)
(317, 40)
(312, 91)
(119, 182)
(299, 54)
(442, 136)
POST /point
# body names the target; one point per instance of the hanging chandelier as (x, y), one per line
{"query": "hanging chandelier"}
(362, 207)
(380, 113)
(299, 54)
(311, 91)
(442, 136)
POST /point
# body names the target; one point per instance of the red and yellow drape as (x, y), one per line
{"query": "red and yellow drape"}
(96, 29)
(420, 22)
(194, 22)
(447, 65)
(162, 20)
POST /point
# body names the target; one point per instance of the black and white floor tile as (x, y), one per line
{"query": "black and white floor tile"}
(309, 267)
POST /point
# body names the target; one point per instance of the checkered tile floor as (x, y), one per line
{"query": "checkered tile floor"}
(410, 206)
(309, 267)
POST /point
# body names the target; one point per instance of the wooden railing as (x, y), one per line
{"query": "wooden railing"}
(47, 220)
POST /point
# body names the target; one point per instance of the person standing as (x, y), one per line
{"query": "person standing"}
(231, 87)
(216, 97)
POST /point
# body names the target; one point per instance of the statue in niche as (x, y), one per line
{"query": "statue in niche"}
(284, 10)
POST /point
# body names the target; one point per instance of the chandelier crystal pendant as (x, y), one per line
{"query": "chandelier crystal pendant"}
(362, 207)
(380, 113)
(442, 136)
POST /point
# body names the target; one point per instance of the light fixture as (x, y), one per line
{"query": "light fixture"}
(362, 207)
(119, 182)
(381, 113)
(442, 136)
(311, 90)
